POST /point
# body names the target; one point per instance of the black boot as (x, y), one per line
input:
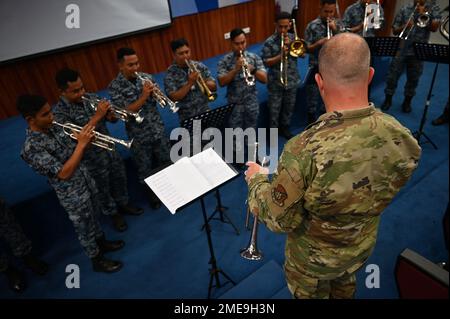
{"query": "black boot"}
(16, 280)
(107, 246)
(119, 222)
(101, 264)
(387, 102)
(406, 106)
(153, 200)
(284, 131)
(130, 210)
(36, 265)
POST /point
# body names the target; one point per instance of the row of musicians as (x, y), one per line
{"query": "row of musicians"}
(91, 180)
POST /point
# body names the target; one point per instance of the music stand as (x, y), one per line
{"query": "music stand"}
(383, 46)
(436, 53)
(159, 183)
(216, 118)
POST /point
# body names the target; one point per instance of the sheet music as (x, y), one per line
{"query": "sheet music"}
(212, 167)
(189, 178)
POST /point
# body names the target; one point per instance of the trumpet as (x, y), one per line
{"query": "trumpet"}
(201, 82)
(158, 95)
(252, 252)
(329, 32)
(122, 114)
(298, 46)
(100, 140)
(249, 78)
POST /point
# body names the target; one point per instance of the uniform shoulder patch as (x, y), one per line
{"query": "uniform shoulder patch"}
(279, 195)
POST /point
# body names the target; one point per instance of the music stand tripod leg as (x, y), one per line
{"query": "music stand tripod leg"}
(214, 271)
(221, 210)
(420, 132)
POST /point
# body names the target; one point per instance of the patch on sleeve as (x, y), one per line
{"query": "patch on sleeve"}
(279, 195)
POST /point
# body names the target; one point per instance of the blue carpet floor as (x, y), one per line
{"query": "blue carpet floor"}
(166, 256)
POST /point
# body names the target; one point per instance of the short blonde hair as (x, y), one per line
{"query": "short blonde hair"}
(345, 58)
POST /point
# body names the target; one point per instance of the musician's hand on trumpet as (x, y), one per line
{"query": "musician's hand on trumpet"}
(85, 136)
(254, 168)
(193, 77)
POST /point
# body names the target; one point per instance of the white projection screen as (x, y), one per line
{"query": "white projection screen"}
(33, 27)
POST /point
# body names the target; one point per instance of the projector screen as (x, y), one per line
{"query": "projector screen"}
(32, 27)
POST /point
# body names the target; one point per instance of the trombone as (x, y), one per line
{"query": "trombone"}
(122, 114)
(100, 140)
(201, 82)
(249, 78)
(421, 21)
(158, 95)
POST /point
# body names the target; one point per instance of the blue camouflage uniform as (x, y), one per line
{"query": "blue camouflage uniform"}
(315, 30)
(246, 109)
(150, 147)
(354, 16)
(195, 102)
(405, 55)
(107, 168)
(13, 235)
(46, 154)
(281, 101)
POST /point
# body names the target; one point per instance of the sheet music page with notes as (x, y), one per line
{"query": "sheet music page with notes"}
(189, 178)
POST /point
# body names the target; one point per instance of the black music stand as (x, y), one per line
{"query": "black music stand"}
(214, 271)
(436, 53)
(216, 118)
(383, 46)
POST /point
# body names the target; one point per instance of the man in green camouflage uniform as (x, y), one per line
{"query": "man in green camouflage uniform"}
(334, 180)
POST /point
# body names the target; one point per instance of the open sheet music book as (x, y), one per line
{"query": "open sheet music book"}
(189, 178)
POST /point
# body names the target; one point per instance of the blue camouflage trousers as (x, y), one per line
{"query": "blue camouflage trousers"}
(11, 232)
(148, 155)
(244, 115)
(414, 69)
(281, 103)
(83, 215)
(111, 181)
(185, 113)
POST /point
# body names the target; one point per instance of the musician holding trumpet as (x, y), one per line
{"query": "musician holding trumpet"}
(283, 75)
(239, 70)
(51, 153)
(317, 33)
(189, 82)
(413, 23)
(150, 149)
(106, 167)
(331, 185)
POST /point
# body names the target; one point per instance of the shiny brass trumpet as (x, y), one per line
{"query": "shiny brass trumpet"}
(158, 95)
(100, 140)
(297, 48)
(201, 82)
(122, 114)
(248, 76)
